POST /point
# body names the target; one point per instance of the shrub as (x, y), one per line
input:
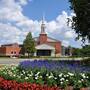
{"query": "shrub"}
(4, 56)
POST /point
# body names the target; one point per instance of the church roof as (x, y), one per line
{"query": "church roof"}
(49, 39)
(12, 44)
(45, 47)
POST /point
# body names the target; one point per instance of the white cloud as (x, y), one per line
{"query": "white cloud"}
(52, 26)
(65, 43)
(9, 33)
(14, 25)
(60, 30)
(23, 2)
(10, 15)
(69, 34)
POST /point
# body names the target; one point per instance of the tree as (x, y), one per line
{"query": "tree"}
(84, 51)
(81, 22)
(29, 45)
(77, 52)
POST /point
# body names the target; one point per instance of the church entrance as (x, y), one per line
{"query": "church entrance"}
(43, 52)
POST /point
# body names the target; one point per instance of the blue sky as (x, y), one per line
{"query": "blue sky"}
(51, 8)
(18, 17)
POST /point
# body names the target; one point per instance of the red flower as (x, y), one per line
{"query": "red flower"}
(13, 85)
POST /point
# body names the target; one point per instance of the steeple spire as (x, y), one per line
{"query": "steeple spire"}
(43, 25)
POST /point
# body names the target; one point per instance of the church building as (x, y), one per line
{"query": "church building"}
(45, 46)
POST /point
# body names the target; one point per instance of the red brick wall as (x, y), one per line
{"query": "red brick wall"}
(58, 47)
(9, 49)
(43, 38)
(2, 50)
(12, 50)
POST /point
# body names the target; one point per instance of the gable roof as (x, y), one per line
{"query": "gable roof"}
(45, 47)
(49, 39)
(12, 44)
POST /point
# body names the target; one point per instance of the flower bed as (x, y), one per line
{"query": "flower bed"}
(13, 85)
(72, 65)
(48, 73)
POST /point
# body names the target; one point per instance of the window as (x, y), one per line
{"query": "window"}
(11, 52)
(14, 52)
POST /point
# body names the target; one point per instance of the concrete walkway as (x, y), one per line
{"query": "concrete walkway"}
(11, 61)
(17, 61)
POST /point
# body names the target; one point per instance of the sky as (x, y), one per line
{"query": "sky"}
(18, 17)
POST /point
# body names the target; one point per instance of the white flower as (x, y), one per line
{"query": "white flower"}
(87, 77)
(18, 77)
(31, 72)
(47, 74)
(26, 78)
(61, 82)
(40, 76)
(67, 75)
(66, 80)
(79, 81)
(29, 75)
(62, 79)
(38, 73)
(82, 80)
(83, 76)
(10, 73)
(71, 74)
(60, 75)
(14, 75)
(23, 72)
(36, 78)
(55, 78)
(13, 68)
(50, 76)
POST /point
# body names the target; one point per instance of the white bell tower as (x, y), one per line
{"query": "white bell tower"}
(43, 26)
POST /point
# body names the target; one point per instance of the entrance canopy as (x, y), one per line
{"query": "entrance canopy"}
(44, 47)
(45, 50)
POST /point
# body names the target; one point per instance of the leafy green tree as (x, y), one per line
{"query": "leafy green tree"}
(84, 51)
(77, 52)
(81, 22)
(29, 45)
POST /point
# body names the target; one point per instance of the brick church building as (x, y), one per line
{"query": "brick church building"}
(45, 46)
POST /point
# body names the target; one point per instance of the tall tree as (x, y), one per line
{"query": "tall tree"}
(29, 45)
(81, 22)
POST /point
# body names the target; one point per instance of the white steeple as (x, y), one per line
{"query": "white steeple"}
(43, 25)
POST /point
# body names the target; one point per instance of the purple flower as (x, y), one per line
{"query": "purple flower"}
(55, 65)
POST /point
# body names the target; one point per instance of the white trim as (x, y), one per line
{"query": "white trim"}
(44, 47)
